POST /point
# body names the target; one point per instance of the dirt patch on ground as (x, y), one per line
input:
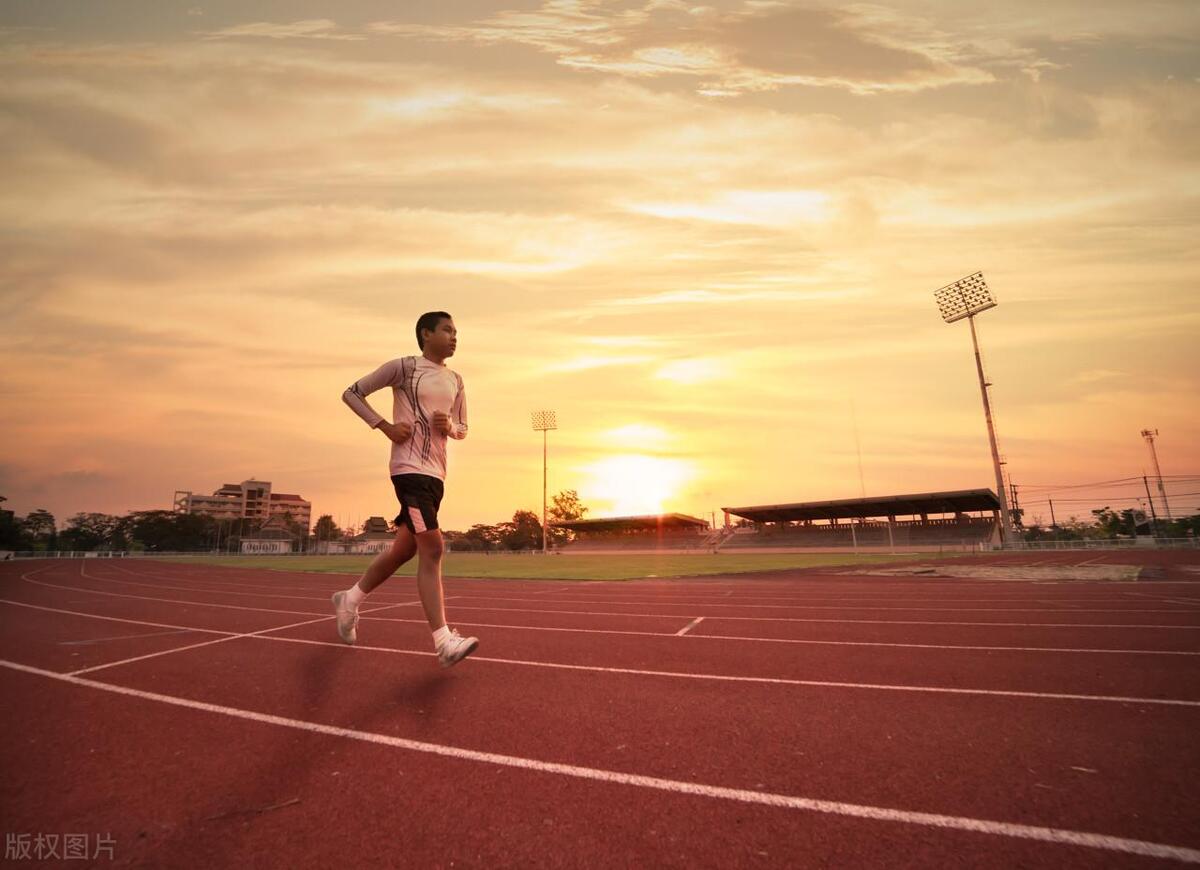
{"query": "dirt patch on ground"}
(1044, 573)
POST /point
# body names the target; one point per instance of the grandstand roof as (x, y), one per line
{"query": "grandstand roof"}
(626, 524)
(877, 506)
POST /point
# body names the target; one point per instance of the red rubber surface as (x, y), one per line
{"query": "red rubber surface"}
(856, 713)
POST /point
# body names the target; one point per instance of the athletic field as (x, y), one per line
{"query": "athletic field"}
(196, 715)
(617, 566)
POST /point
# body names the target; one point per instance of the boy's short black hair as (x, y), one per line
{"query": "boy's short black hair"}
(429, 320)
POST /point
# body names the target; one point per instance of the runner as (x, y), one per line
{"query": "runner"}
(429, 407)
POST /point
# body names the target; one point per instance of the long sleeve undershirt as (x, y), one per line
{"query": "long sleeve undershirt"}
(419, 388)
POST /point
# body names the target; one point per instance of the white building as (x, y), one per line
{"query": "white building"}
(250, 499)
(273, 537)
(375, 537)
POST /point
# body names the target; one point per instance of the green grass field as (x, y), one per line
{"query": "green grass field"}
(583, 567)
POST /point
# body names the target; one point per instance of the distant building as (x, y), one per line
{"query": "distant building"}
(273, 537)
(250, 499)
(286, 503)
(375, 538)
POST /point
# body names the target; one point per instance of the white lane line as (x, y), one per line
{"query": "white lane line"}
(864, 600)
(1040, 649)
(689, 626)
(719, 637)
(375, 596)
(684, 604)
(1039, 833)
(316, 586)
(113, 619)
(261, 590)
(179, 649)
(458, 607)
(1070, 605)
(641, 615)
(1168, 599)
(166, 600)
(264, 635)
(164, 588)
(493, 586)
(120, 637)
(25, 577)
(872, 584)
(583, 587)
(486, 598)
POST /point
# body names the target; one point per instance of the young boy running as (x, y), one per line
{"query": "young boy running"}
(429, 406)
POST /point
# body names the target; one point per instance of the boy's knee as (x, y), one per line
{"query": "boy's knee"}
(431, 545)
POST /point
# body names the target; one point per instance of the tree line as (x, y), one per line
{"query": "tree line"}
(167, 531)
(522, 532)
(1108, 524)
(151, 531)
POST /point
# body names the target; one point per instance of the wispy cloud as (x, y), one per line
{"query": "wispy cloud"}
(754, 47)
(631, 209)
(312, 28)
(762, 207)
(676, 298)
(593, 361)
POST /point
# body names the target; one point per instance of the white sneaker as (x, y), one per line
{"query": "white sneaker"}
(347, 618)
(456, 648)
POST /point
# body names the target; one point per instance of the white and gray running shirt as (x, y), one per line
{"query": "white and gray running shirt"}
(419, 387)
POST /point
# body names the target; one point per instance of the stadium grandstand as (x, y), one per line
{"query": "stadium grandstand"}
(963, 519)
(651, 532)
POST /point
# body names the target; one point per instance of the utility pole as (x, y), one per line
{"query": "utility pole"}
(1053, 521)
(1015, 505)
(1153, 515)
(1149, 434)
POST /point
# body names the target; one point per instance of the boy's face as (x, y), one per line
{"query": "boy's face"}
(443, 340)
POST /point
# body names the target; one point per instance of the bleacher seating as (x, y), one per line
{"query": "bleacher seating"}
(968, 530)
(653, 540)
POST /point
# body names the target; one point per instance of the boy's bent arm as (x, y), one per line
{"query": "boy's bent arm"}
(458, 414)
(356, 394)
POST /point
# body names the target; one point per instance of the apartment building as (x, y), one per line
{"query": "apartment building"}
(251, 499)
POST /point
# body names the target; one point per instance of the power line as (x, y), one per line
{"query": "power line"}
(1135, 483)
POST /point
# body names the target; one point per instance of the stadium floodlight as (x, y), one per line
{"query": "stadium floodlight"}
(964, 298)
(544, 421)
(967, 297)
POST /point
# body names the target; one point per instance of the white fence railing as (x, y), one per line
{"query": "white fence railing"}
(1107, 544)
(141, 554)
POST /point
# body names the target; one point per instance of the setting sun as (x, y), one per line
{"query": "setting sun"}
(707, 235)
(633, 484)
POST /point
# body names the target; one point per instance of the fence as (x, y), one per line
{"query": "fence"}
(1107, 544)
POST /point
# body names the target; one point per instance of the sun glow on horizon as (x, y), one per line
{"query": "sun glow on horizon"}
(633, 484)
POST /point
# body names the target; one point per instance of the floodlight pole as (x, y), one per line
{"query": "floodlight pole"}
(545, 466)
(966, 298)
(1149, 434)
(543, 421)
(1005, 519)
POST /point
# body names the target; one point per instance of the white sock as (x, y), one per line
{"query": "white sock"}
(354, 595)
(441, 636)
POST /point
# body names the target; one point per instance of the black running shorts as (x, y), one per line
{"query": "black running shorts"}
(420, 497)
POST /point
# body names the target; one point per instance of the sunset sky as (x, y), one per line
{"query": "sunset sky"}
(706, 234)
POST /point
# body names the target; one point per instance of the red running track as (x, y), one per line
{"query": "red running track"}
(209, 716)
